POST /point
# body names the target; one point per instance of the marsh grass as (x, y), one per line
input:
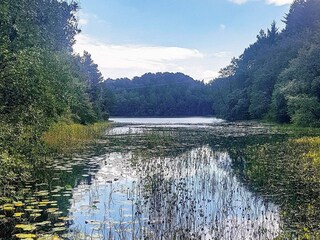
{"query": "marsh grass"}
(289, 173)
(312, 146)
(296, 131)
(66, 138)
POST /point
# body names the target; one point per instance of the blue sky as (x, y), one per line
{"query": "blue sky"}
(198, 37)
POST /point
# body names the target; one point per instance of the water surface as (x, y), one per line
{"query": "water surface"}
(158, 121)
(154, 178)
(187, 194)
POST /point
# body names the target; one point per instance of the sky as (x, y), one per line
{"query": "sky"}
(128, 38)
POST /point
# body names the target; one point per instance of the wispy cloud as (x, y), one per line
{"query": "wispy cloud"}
(83, 21)
(279, 2)
(239, 2)
(133, 60)
(222, 26)
(85, 18)
(274, 2)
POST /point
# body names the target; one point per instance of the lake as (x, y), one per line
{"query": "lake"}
(190, 194)
(160, 121)
(165, 178)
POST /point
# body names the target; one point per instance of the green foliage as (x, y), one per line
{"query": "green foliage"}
(288, 172)
(277, 77)
(161, 94)
(66, 138)
(13, 171)
(41, 80)
(93, 79)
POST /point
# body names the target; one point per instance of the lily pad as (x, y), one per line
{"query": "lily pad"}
(58, 229)
(8, 207)
(65, 218)
(42, 193)
(49, 237)
(35, 215)
(26, 236)
(18, 204)
(60, 224)
(26, 227)
(18, 214)
(52, 210)
(36, 210)
(44, 223)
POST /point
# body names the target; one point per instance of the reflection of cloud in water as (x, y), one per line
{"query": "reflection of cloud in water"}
(138, 129)
(168, 121)
(125, 130)
(190, 196)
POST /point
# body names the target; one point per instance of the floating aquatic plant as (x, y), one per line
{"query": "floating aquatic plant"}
(25, 236)
(26, 227)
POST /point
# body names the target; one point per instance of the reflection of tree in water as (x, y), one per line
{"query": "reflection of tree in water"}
(188, 196)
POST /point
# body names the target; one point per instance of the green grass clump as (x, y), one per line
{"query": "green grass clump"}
(68, 137)
(312, 146)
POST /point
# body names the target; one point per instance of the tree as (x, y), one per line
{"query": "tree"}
(160, 94)
(276, 72)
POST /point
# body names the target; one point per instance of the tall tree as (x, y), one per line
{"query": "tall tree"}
(276, 77)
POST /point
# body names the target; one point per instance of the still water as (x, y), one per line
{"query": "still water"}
(161, 121)
(150, 178)
(188, 194)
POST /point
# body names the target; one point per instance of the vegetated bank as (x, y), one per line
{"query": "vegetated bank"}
(42, 82)
(278, 77)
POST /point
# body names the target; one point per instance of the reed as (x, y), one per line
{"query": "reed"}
(65, 137)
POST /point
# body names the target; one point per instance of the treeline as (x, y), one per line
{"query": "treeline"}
(160, 94)
(278, 77)
(42, 80)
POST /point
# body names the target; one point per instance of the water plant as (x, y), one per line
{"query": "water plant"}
(66, 138)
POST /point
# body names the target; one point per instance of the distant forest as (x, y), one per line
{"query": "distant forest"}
(160, 94)
(277, 78)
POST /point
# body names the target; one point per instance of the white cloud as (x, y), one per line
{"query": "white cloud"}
(275, 2)
(209, 75)
(239, 2)
(222, 26)
(117, 61)
(83, 21)
(279, 2)
(222, 54)
(85, 18)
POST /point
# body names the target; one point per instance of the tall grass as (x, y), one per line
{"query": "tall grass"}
(65, 137)
(312, 146)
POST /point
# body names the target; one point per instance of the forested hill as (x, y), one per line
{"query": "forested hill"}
(277, 77)
(160, 94)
